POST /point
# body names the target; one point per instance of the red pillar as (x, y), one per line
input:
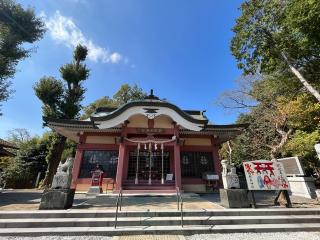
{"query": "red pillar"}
(177, 166)
(122, 154)
(177, 162)
(76, 168)
(217, 162)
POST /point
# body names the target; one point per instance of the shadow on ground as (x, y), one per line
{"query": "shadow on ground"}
(29, 200)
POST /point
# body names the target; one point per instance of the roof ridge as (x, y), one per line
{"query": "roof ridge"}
(7, 144)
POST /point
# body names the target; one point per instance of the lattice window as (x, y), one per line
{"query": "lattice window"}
(193, 164)
(107, 161)
(144, 161)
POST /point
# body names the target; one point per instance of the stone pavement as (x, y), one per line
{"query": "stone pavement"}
(149, 237)
(230, 236)
(29, 200)
(146, 203)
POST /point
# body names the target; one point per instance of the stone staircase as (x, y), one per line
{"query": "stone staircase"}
(143, 187)
(101, 222)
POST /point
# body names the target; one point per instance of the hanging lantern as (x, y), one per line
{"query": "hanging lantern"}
(145, 146)
(155, 146)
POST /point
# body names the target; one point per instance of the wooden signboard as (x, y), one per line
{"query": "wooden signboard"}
(292, 166)
(150, 130)
(265, 175)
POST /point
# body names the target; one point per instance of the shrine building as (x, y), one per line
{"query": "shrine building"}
(146, 145)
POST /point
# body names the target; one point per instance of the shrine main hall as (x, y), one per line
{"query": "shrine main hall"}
(146, 145)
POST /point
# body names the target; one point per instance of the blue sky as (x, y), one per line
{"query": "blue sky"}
(178, 48)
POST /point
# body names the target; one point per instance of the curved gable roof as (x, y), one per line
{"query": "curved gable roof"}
(150, 105)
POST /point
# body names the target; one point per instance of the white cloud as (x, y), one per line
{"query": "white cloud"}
(63, 30)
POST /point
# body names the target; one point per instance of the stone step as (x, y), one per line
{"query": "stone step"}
(156, 221)
(143, 182)
(144, 191)
(140, 230)
(77, 213)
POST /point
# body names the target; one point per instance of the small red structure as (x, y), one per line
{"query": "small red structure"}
(97, 178)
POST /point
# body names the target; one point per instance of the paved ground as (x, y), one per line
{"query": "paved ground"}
(22, 199)
(233, 236)
(30, 199)
(260, 236)
(190, 201)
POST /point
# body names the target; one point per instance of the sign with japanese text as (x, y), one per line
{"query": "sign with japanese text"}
(292, 166)
(265, 175)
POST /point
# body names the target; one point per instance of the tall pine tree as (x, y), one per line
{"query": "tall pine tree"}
(62, 99)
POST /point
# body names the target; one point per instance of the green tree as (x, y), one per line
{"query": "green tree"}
(22, 170)
(281, 114)
(302, 144)
(275, 43)
(280, 36)
(101, 102)
(125, 94)
(62, 99)
(18, 26)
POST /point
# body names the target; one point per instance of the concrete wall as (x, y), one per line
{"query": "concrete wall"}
(302, 186)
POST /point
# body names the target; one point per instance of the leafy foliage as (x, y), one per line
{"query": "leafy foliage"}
(302, 144)
(62, 99)
(285, 119)
(272, 35)
(277, 122)
(267, 27)
(50, 91)
(21, 171)
(18, 26)
(125, 94)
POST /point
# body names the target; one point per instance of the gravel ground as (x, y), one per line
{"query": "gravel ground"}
(58, 238)
(260, 236)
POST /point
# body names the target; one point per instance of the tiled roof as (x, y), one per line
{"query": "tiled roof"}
(6, 144)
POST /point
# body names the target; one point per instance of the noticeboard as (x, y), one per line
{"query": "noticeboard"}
(212, 177)
(265, 175)
(292, 166)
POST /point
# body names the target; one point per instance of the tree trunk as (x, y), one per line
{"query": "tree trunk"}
(53, 159)
(305, 83)
(284, 138)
